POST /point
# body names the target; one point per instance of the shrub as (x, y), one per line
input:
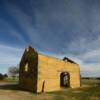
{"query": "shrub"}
(1, 77)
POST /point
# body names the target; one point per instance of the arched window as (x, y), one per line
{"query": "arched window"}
(64, 79)
(26, 67)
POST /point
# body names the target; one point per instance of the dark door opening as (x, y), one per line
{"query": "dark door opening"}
(64, 79)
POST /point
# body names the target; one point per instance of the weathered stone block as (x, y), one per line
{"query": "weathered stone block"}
(46, 73)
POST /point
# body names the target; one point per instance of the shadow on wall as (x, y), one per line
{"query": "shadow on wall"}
(43, 86)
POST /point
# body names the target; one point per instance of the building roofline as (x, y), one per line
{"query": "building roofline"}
(64, 59)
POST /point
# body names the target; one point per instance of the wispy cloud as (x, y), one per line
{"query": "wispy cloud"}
(11, 31)
(9, 56)
(25, 23)
(87, 54)
(56, 27)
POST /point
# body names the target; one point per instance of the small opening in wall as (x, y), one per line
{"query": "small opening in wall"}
(26, 67)
(27, 49)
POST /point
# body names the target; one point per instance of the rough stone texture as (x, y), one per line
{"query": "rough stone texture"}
(28, 79)
(44, 72)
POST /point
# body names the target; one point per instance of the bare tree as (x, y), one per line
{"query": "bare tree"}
(13, 71)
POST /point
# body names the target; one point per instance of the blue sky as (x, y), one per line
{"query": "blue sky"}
(54, 27)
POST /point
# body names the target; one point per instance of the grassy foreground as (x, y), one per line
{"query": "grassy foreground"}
(90, 90)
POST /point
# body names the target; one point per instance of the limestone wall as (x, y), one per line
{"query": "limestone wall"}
(49, 70)
(42, 73)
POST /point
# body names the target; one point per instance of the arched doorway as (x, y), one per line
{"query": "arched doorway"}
(64, 79)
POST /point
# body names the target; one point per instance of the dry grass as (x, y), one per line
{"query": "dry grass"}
(90, 90)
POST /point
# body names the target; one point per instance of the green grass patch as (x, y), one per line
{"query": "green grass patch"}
(11, 80)
(89, 90)
(92, 90)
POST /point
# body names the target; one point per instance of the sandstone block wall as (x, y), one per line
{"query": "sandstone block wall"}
(49, 70)
(42, 73)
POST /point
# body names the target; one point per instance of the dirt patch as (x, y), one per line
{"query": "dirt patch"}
(9, 91)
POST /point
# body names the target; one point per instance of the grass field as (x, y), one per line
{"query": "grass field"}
(89, 90)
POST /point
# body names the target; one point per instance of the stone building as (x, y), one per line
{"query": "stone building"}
(40, 73)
